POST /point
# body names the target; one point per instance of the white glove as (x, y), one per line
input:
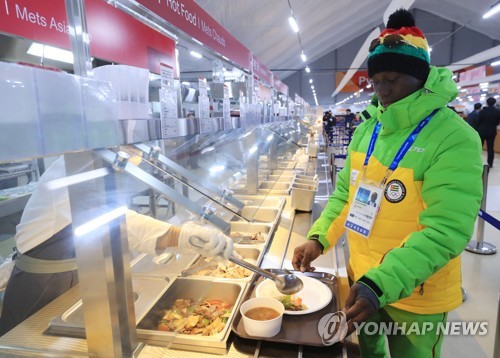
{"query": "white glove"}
(205, 240)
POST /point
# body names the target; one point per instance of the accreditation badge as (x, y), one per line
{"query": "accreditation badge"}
(364, 208)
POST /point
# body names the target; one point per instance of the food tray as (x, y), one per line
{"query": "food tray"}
(295, 329)
(229, 292)
(250, 254)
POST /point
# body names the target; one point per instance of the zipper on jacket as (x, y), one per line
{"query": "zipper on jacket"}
(421, 291)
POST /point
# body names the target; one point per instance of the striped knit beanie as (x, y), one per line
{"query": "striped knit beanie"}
(401, 47)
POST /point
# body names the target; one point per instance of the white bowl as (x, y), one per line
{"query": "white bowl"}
(268, 328)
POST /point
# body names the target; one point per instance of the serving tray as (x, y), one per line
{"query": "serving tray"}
(295, 329)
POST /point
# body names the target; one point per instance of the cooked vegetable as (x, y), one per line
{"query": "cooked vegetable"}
(292, 303)
(206, 318)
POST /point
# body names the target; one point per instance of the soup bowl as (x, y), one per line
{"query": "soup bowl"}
(262, 316)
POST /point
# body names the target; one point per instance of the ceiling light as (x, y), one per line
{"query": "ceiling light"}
(310, 80)
(308, 69)
(492, 11)
(50, 52)
(195, 54)
(496, 63)
(293, 24)
(369, 85)
(430, 49)
(312, 87)
(303, 56)
(484, 84)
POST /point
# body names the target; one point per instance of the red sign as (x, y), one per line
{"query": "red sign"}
(262, 72)
(358, 81)
(280, 86)
(114, 36)
(477, 73)
(190, 18)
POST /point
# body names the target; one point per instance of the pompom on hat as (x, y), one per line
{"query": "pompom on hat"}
(401, 48)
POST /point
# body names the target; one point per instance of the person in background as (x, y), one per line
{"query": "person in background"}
(487, 122)
(473, 116)
(45, 264)
(328, 124)
(349, 117)
(405, 255)
(356, 122)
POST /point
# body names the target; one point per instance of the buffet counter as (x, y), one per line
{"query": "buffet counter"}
(31, 339)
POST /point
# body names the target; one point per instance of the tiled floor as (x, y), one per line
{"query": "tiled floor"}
(481, 281)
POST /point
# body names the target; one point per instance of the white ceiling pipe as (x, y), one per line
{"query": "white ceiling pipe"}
(358, 60)
(475, 59)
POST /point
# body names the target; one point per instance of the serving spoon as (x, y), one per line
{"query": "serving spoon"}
(288, 283)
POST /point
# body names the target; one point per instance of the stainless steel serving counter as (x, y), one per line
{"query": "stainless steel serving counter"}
(28, 339)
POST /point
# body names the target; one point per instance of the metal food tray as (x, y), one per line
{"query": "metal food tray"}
(249, 253)
(295, 329)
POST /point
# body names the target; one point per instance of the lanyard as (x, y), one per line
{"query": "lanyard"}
(404, 148)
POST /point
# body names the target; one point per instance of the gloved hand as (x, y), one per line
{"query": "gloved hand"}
(205, 240)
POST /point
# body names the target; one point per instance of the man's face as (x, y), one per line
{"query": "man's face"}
(390, 87)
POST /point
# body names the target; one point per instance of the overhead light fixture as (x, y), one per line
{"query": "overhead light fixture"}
(53, 53)
(310, 80)
(303, 56)
(308, 69)
(496, 63)
(369, 85)
(195, 54)
(494, 9)
(312, 87)
(430, 49)
(293, 24)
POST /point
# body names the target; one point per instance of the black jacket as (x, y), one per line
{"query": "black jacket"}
(489, 119)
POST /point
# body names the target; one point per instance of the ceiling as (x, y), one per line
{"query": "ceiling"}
(325, 26)
(331, 34)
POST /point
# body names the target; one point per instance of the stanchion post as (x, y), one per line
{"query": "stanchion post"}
(479, 246)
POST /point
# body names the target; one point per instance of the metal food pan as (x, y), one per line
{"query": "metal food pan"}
(145, 291)
(259, 200)
(295, 329)
(168, 263)
(196, 290)
(262, 214)
(274, 185)
(240, 231)
(250, 254)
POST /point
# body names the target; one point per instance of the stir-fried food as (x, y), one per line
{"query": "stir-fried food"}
(292, 303)
(226, 269)
(247, 238)
(206, 318)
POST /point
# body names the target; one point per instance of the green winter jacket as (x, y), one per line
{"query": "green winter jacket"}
(411, 259)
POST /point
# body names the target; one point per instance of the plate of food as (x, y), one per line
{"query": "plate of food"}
(314, 296)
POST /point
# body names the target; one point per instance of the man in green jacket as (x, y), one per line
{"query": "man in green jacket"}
(424, 162)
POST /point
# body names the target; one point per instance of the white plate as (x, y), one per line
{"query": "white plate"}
(315, 294)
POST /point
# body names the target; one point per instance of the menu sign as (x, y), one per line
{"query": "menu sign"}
(226, 108)
(168, 102)
(280, 86)
(114, 35)
(262, 72)
(203, 101)
(190, 18)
